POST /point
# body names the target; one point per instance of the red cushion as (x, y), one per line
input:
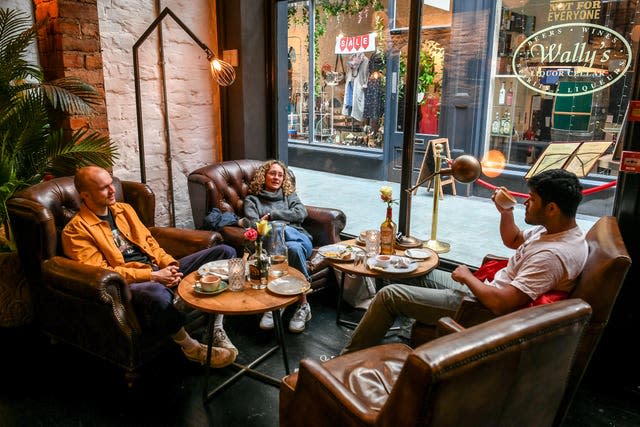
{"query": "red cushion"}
(551, 296)
(489, 269)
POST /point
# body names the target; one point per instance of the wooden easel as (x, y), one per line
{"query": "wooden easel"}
(424, 167)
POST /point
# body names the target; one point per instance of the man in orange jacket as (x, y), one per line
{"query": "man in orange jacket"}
(110, 235)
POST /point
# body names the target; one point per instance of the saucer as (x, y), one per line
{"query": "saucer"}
(417, 254)
(197, 288)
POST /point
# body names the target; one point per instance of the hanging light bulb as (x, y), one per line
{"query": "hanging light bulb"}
(222, 72)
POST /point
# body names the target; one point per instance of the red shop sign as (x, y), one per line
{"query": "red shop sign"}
(355, 44)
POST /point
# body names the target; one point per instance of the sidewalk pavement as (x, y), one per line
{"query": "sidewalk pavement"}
(468, 224)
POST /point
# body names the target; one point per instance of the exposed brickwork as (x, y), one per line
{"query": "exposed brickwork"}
(70, 46)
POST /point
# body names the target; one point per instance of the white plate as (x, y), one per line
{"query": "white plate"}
(371, 263)
(197, 288)
(219, 268)
(339, 252)
(288, 285)
(417, 254)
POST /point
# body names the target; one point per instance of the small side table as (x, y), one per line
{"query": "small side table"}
(348, 267)
(230, 303)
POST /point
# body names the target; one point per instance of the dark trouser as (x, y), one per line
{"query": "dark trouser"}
(153, 301)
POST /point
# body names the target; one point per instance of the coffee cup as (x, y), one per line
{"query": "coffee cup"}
(383, 261)
(504, 199)
(209, 283)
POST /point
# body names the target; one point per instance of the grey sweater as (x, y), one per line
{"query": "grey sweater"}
(280, 207)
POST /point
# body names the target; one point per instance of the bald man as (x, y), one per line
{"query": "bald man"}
(108, 234)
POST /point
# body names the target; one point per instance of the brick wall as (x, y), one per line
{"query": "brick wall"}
(69, 45)
(93, 40)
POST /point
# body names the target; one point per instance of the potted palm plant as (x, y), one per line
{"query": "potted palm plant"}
(33, 146)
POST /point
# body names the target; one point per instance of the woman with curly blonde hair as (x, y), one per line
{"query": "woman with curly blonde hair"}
(272, 196)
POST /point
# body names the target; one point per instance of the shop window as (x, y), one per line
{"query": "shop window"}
(487, 84)
(348, 83)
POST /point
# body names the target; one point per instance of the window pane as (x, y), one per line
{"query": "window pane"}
(485, 84)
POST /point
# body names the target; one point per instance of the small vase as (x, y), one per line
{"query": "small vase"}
(259, 267)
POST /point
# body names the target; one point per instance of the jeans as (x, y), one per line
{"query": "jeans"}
(437, 296)
(153, 301)
(299, 248)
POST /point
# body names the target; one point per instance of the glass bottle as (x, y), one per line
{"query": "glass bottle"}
(388, 234)
(278, 253)
(510, 95)
(259, 266)
(501, 94)
(505, 127)
(496, 125)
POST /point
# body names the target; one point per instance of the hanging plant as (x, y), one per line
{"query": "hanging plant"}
(431, 54)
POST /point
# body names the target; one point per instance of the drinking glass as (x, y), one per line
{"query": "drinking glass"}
(236, 274)
(372, 243)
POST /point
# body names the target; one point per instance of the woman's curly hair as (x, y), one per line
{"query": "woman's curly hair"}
(257, 183)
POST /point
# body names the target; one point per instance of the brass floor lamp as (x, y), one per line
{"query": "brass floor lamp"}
(222, 72)
(465, 169)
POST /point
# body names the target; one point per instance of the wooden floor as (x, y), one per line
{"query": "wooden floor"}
(54, 385)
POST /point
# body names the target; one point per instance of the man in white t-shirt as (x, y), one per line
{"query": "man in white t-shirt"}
(548, 258)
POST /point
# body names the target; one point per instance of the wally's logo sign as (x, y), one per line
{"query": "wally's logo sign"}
(591, 56)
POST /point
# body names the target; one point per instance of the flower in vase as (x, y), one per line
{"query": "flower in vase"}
(251, 234)
(386, 195)
(264, 228)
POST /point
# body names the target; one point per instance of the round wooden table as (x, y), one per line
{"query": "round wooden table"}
(247, 301)
(347, 267)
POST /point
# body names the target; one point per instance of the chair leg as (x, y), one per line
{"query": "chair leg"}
(131, 377)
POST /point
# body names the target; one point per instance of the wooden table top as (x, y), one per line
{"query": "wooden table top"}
(424, 266)
(247, 301)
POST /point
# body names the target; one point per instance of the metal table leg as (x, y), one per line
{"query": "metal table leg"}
(247, 369)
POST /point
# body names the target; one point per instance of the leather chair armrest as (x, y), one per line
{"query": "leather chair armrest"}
(324, 224)
(234, 236)
(180, 242)
(447, 325)
(83, 281)
(90, 283)
(471, 312)
(318, 391)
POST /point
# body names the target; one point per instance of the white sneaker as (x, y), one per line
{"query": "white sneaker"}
(220, 339)
(300, 318)
(266, 323)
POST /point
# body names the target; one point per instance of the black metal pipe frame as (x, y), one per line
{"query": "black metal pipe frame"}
(409, 123)
(136, 75)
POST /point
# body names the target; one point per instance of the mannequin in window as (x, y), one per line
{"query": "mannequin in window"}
(355, 83)
(374, 92)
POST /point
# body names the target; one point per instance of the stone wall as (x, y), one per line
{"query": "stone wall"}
(192, 96)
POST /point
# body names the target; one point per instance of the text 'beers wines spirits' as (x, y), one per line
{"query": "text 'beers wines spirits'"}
(387, 234)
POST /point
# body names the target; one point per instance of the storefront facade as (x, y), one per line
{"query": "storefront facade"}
(500, 80)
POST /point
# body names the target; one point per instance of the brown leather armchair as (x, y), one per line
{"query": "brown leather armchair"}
(598, 285)
(225, 185)
(508, 371)
(85, 306)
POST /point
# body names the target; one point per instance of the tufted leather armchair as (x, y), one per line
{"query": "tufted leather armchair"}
(85, 306)
(598, 284)
(225, 185)
(508, 371)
